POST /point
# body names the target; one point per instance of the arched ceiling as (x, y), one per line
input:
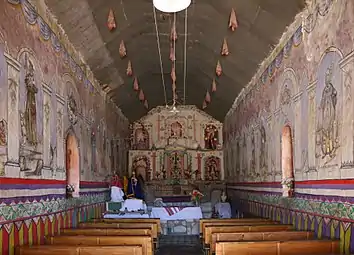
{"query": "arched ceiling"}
(261, 24)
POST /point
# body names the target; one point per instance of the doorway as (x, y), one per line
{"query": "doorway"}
(72, 160)
(287, 161)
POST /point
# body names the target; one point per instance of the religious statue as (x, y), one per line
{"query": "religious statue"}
(141, 139)
(72, 110)
(117, 193)
(31, 108)
(135, 189)
(212, 165)
(3, 133)
(176, 129)
(115, 181)
(211, 137)
(263, 150)
(23, 128)
(253, 154)
(223, 197)
(327, 133)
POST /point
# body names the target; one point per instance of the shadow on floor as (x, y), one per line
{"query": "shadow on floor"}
(180, 245)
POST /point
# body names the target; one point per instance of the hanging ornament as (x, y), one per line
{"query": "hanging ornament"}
(141, 95)
(213, 86)
(204, 105)
(129, 69)
(173, 75)
(146, 104)
(225, 48)
(207, 97)
(136, 84)
(111, 22)
(233, 24)
(218, 69)
(172, 53)
(122, 49)
(173, 35)
(173, 86)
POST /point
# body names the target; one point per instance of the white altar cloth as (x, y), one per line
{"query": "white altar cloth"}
(125, 216)
(186, 213)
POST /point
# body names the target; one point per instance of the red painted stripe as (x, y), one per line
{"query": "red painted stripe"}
(42, 181)
(5, 242)
(25, 233)
(312, 182)
(56, 225)
(34, 233)
(50, 229)
(16, 236)
(42, 226)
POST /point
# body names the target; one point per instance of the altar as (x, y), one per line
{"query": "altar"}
(176, 213)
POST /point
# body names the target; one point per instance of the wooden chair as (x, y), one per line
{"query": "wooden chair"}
(245, 228)
(145, 242)
(132, 220)
(107, 232)
(259, 236)
(303, 247)
(78, 250)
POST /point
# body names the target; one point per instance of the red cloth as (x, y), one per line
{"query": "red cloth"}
(116, 182)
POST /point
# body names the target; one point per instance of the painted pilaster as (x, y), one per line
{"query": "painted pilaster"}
(47, 112)
(277, 146)
(12, 167)
(297, 150)
(60, 171)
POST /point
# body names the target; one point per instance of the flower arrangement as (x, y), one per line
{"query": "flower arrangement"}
(70, 188)
(196, 196)
(288, 182)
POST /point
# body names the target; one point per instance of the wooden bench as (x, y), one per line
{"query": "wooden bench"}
(245, 228)
(202, 221)
(106, 232)
(145, 242)
(78, 250)
(303, 247)
(132, 220)
(235, 224)
(259, 236)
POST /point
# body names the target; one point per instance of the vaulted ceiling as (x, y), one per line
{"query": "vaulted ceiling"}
(260, 25)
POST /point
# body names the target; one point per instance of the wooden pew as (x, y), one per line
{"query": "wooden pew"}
(236, 224)
(132, 220)
(303, 247)
(259, 236)
(202, 221)
(244, 228)
(145, 242)
(106, 232)
(78, 250)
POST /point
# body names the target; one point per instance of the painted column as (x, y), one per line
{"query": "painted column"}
(311, 90)
(277, 146)
(297, 133)
(47, 91)
(347, 134)
(60, 139)
(12, 167)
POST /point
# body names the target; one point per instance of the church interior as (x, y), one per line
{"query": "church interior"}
(176, 127)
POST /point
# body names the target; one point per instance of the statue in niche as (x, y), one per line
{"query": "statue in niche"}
(72, 110)
(141, 139)
(285, 95)
(253, 153)
(263, 150)
(23, 128)
(3, 132)
(244, 155)
(327, 132)
(31, 108)
(212, 165)
(176, 129)
(211, 137)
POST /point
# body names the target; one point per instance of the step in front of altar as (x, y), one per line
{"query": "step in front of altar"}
(180, 227)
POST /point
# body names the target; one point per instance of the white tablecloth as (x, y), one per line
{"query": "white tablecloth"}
(125, 216)
(186, 213)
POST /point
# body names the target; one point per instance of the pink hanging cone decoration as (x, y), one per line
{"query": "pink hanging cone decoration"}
(218, 69)
(129, 69)
(204, 105)
(136, 84)
(146, 104)
(225, 48)
(233, 24)
(173, 35)
(173, 87)
(213, 86)
(173, 75)
(172, 54)
(111, 22)
(122, 50)
(141, 95)
(207, 97)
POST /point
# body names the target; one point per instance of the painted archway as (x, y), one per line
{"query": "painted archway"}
(287, 161)
(72, 160)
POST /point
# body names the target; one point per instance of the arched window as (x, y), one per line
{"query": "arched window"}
(72, 166)
(287, 162)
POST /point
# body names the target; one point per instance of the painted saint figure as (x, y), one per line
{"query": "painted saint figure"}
(327, 132)
(31, 108)
(3, 133)
(135, 189)
(211, 137)
(117, 193)
(263, 150)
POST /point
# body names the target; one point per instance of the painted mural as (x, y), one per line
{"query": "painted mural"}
(294, 123)
(51, 132)
(177, 148)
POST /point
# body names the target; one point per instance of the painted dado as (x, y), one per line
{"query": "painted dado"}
(177, 147)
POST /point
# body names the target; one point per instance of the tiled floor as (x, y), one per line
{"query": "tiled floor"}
(179, 244)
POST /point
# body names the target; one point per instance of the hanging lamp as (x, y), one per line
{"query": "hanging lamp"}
(171, 6)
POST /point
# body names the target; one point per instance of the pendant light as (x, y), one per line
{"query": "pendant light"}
(171, 6)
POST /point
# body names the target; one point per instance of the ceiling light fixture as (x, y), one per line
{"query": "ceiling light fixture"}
(171, 6)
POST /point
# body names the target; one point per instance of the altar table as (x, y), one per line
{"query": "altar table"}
(125, 215)
(176, 213)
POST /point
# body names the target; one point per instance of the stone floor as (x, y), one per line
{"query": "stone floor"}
(179, 244)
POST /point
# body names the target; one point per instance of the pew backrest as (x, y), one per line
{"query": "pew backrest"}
(245, 228)
(145, 241)
(259, 236)
(78, 250)
(203, 221)
(132, 220)
(303, 247)
(106, 232)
